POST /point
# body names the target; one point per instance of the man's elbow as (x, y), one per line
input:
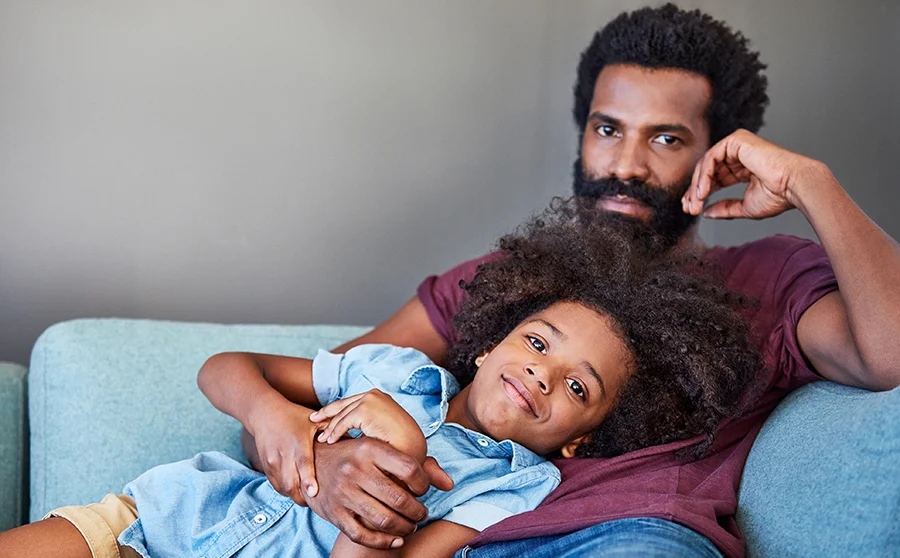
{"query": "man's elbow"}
(882, 376)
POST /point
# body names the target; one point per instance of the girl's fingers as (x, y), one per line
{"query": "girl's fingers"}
(339, 424)
(334, 408)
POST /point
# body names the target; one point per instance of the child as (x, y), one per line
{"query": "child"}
(574, 342)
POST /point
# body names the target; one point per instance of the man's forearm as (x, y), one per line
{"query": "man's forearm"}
(866, 262)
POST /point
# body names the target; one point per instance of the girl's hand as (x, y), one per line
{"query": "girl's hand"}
(284, 438)
(378, 416)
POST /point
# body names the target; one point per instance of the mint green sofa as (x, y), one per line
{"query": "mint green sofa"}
(110, 398)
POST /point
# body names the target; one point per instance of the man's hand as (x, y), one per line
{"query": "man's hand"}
(377, 415)
(773, 175)
(357, 495)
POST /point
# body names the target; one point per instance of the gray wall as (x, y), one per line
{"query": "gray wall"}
(303, 162)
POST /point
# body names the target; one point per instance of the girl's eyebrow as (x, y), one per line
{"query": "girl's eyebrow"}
(593, 372)
(556, 332)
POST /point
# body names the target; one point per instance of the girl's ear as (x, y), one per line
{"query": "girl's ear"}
(480, 358)
(568, 450)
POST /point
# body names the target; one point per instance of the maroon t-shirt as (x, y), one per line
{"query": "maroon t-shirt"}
(787, 275)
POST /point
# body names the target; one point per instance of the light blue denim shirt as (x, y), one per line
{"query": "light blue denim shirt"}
(213, 506)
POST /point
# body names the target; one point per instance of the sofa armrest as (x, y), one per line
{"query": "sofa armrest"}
(110, 398)
(13, 447)
(823, 477)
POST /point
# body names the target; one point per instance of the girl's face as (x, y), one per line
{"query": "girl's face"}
(550, 382)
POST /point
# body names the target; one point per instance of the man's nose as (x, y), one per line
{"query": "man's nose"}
(630, 161)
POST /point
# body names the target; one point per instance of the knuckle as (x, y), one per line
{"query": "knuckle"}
(382, 521)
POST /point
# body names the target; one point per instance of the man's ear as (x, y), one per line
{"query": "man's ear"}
(568, 450)
(480, 358)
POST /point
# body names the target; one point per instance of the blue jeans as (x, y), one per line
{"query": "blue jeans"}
(643, 537)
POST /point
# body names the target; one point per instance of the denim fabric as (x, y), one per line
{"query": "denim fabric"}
(213, 506)
(637, 537)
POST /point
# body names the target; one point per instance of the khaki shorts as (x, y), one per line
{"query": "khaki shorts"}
(101, 524)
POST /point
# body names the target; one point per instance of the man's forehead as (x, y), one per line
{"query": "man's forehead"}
(641, 97)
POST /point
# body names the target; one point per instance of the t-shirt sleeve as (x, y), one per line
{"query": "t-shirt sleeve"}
(441, 294)
(522, 494)
(806, 277)
(362, 368)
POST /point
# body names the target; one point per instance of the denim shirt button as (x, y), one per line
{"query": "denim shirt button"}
(483, 443)
(260, 518)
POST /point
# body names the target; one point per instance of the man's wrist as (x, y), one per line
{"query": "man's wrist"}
(812, 183)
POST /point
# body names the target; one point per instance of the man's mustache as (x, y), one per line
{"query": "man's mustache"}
(656, 198)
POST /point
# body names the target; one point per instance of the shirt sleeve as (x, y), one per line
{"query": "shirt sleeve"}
(523, 494)
(441, 294)
(362, 368)
(806, 277)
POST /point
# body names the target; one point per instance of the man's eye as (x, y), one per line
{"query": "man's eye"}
(576, 388)
(537, 344)
(606, 131)
(666, 140)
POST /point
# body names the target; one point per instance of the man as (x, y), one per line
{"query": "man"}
(667, 103)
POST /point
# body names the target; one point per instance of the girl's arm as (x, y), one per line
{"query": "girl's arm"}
(438, 538)
(272, 396)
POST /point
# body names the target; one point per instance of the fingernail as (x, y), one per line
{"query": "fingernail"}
(397, 543)
(314, 414)
(310, 490)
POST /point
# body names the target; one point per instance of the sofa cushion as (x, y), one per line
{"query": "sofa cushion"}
(110, 398)
(12, 444)
(823, 477)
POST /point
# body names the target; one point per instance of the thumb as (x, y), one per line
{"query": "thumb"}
(726, 209)
(306, 468)
(437, 476)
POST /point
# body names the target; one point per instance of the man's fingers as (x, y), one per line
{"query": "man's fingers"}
(380, 516)
(437, 476)
(405, 468)
(360, 534)
(726, 209)
(395, 497)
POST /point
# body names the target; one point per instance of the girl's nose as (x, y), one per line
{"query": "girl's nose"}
(530, 371)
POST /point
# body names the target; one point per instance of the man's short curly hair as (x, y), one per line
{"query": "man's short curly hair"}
(693, 362)
(668, 37)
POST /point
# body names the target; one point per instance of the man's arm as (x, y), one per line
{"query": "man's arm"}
(409, 327)
(848, 336)
(439, 538)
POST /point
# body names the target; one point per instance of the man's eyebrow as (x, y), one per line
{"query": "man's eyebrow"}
(669, 128)
(596, 115)
(656, 128)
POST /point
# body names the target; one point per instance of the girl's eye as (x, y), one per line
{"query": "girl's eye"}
(666, 140)
(606, 131)
(576, 388)
(537, 344)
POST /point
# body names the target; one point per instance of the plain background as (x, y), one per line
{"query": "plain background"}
(311, 162)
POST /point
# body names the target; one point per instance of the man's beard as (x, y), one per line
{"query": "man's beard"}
(668, 222)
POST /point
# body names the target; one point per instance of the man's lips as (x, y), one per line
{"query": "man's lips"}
(622, 204)
(519, 395)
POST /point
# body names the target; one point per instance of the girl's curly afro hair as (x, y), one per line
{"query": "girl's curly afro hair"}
(693, 361)
(668, 37)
